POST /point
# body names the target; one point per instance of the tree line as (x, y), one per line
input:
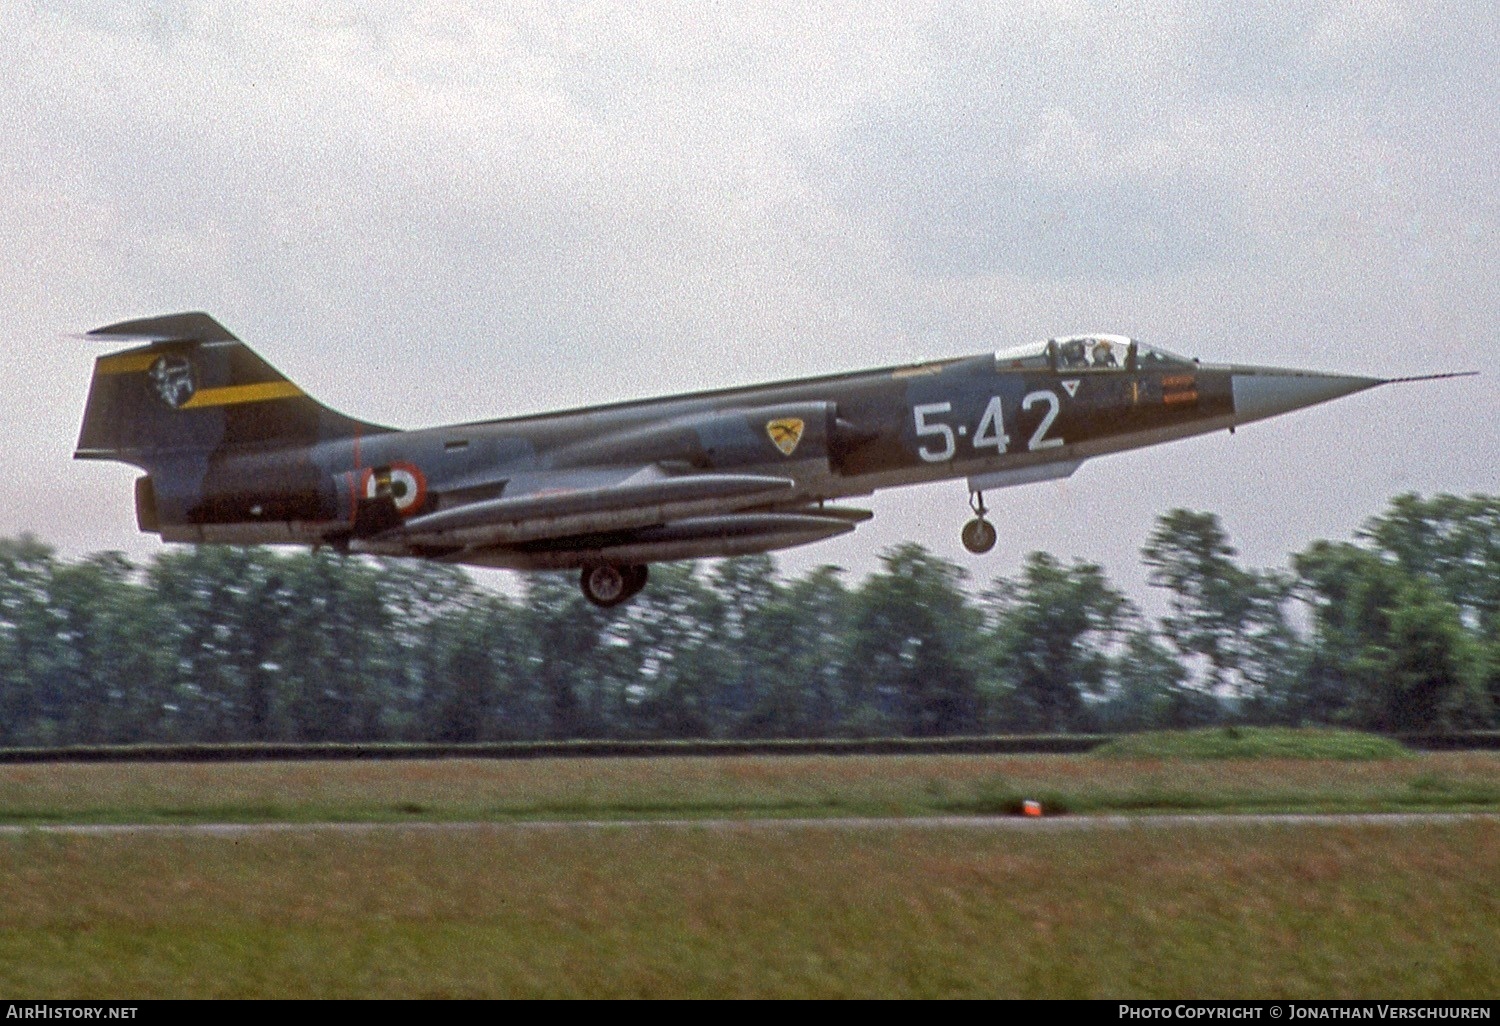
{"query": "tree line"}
(1397, 630)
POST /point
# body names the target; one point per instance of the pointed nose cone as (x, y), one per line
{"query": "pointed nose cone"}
(1263, 392)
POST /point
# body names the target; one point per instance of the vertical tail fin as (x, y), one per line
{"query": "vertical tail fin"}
(194, 388)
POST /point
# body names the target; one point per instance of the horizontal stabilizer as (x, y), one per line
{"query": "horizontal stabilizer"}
(181, 327)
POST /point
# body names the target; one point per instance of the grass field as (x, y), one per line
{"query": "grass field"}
(1252, 743)
(1252, 911)
(1378, 910)
(734, 787)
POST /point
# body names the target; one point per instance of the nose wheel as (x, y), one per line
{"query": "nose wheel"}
(979, 534)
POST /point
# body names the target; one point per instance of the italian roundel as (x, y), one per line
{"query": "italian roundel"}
(403, 482)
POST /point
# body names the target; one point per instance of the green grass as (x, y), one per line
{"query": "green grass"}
(1378, 911)
(1252, 743)
(749, 786)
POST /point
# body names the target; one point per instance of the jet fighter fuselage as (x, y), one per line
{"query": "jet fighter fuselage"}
(236, 453)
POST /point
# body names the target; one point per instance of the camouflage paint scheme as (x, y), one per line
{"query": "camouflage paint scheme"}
(236, 453)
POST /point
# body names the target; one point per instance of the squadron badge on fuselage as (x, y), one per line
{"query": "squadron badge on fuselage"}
(786, 432)
(173, 378)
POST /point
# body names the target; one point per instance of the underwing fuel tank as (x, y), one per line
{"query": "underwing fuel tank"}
(653, 491)
(633, 505)
(739, 534)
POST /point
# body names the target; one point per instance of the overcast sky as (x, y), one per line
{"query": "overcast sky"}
(451, 211)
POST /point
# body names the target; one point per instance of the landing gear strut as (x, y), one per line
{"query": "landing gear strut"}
(978, 534)
(606, 585)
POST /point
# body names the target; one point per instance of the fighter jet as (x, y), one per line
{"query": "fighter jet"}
(235, 453)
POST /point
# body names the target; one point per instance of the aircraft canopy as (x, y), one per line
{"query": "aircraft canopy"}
(1072, 353)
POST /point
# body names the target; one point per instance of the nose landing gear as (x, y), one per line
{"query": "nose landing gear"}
(978, 534)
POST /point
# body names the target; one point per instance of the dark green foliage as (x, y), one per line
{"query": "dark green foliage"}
(1391, 652)
(910, 667)
(28, 643)
(98, 612)
(1053, 633)
(1151, 689)
(216, 644)
(1191, 557)
(1427, 666)
(567, 658)
(1233, 619)
(1451, 541)
(794, 671)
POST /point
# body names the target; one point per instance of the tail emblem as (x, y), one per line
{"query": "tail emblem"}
(785, 433)
(173, 378)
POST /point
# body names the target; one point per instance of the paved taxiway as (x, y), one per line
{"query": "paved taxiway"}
(1015, 824)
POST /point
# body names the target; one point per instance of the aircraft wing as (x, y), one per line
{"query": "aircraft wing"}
(646, 507)
(560, 502)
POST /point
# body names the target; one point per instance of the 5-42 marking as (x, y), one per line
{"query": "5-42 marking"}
(989, 433)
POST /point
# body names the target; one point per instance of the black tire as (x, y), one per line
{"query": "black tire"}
(605, 585)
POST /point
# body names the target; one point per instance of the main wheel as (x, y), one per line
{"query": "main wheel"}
(979, 536)
(604, 585)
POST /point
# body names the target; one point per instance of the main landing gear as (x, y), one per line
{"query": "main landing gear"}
(979, 534)
(605, 584)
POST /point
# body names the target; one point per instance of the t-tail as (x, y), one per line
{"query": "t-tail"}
(188, 404)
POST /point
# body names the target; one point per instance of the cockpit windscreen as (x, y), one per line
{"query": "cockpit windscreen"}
(1068, 354)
